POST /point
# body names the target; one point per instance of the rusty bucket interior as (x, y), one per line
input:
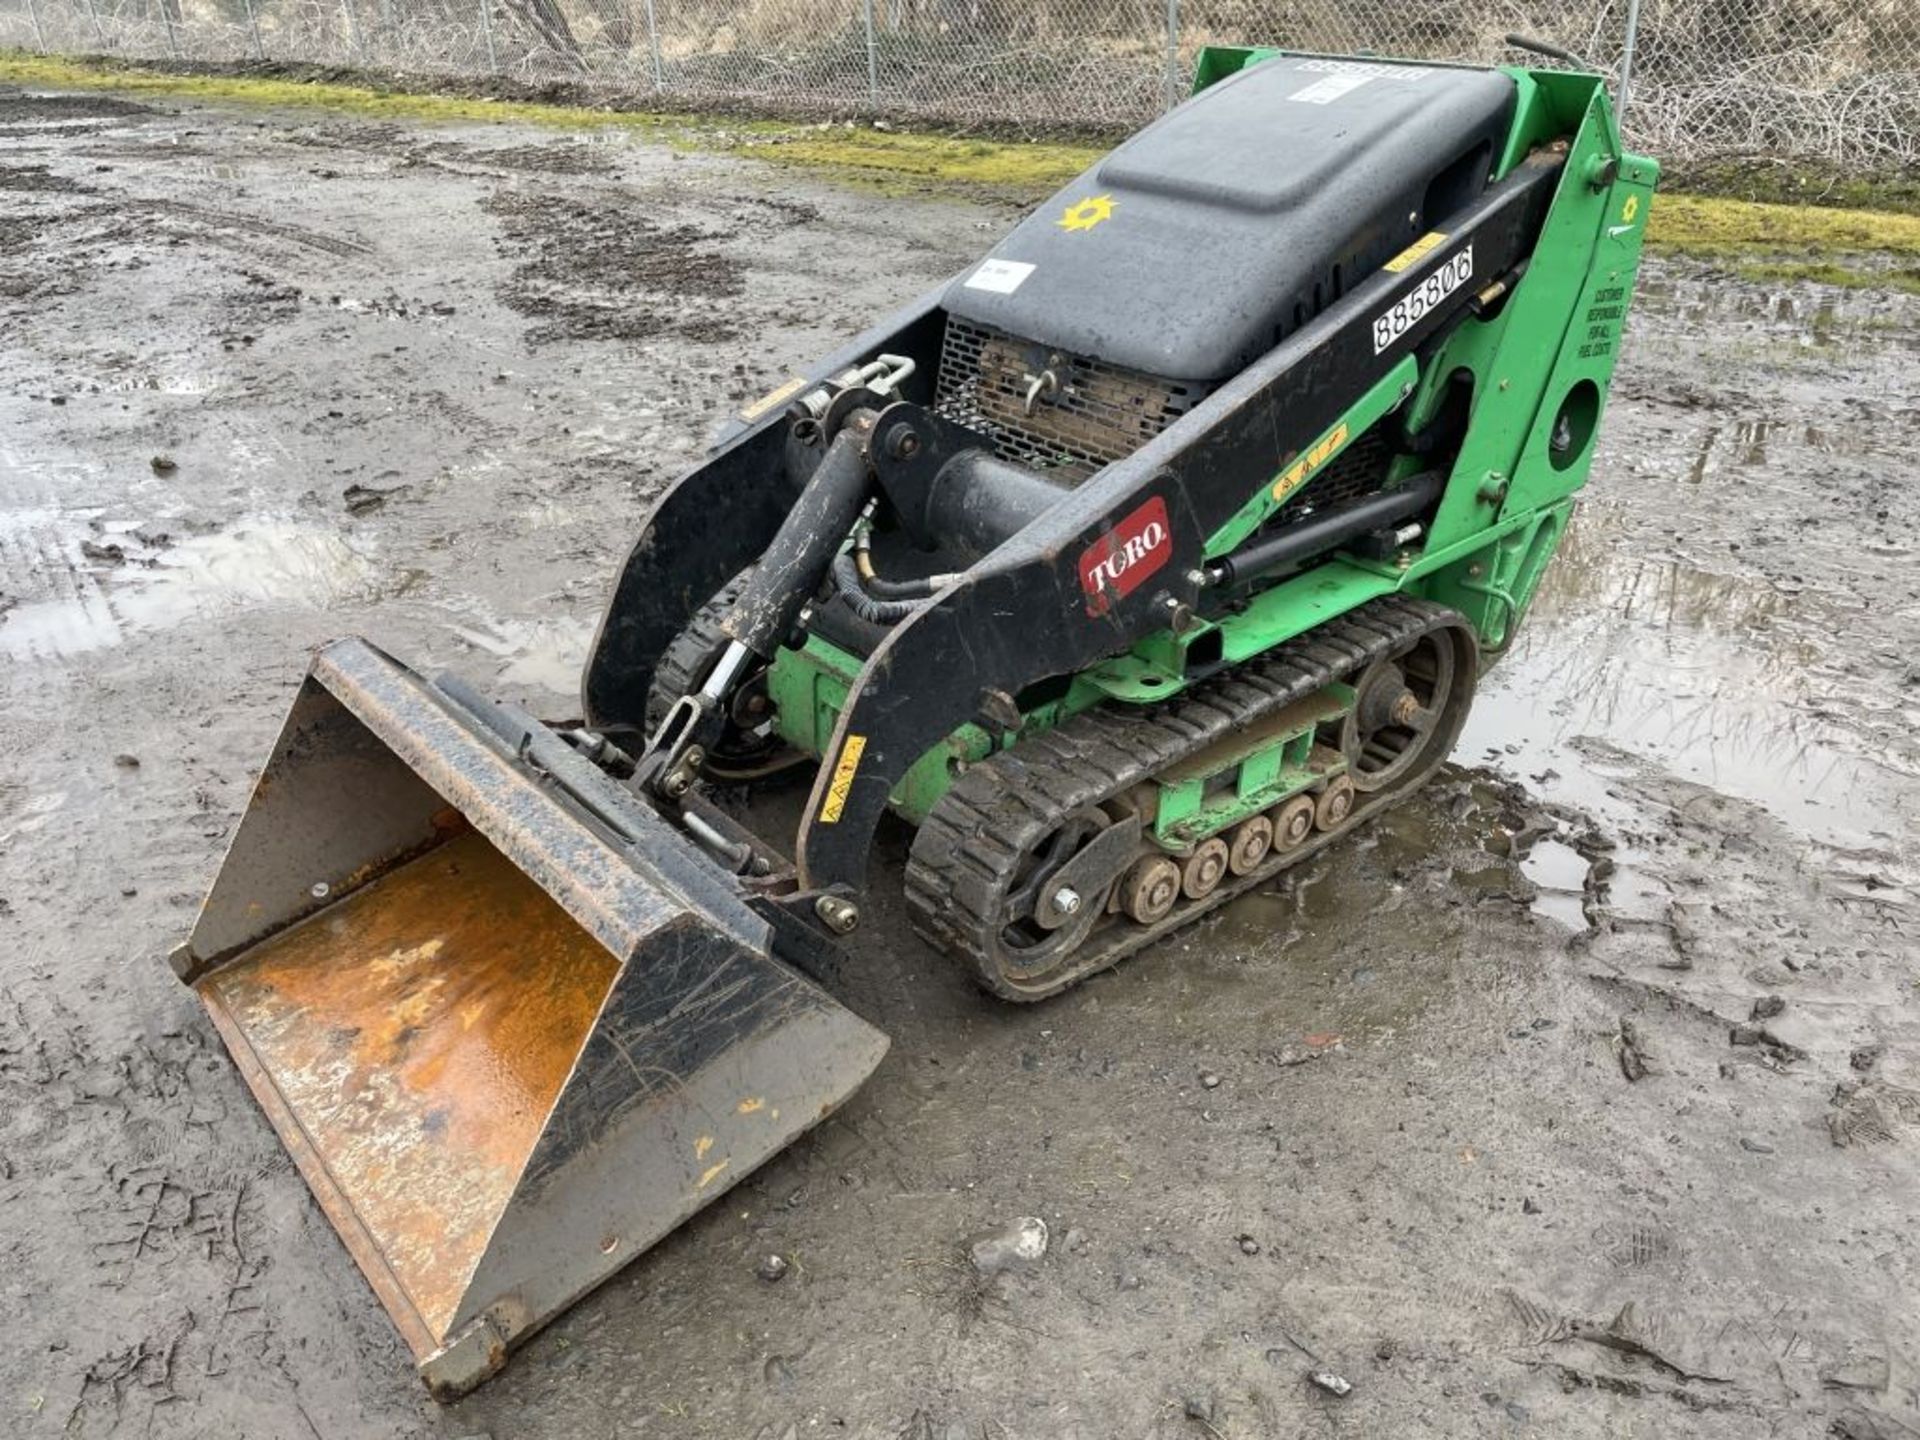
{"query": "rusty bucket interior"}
(510, 1038)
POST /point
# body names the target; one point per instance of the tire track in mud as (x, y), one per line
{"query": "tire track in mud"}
(138, 1136)
(63, 246)
(51, 608)
(217, 220)
(597, 269)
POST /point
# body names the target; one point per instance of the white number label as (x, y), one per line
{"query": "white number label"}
(1414, 306)
(1001, 277)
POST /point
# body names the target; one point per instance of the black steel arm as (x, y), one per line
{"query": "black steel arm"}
(710, 526)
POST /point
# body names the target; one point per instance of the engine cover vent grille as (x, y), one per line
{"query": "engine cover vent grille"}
(1357, 472)
(1092, 415)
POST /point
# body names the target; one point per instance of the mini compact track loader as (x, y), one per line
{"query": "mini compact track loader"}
(1146, 558)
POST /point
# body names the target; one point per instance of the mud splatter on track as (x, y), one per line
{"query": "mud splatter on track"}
(1694, 789)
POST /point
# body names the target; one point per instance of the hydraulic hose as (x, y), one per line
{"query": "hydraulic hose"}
(881, 588)
(876, 584)
(874, 609)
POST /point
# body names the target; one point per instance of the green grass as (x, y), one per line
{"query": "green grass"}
(53, 72)
(1802, 182)
(1712, 226)
(1762, 239)
(1905, 279)
(900, 162)
(891, 161)
(1793, 243)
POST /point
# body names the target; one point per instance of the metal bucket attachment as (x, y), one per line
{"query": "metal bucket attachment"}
(510, 1024)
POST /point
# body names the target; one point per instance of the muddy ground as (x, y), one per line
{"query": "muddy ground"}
(266, 378)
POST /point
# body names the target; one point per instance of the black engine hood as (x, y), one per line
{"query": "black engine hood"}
(1196, 245)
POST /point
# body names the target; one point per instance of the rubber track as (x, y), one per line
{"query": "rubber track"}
(964, 857)
(673, 674)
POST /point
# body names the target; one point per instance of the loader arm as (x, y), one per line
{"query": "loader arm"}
(712, 524)
(1044, 603)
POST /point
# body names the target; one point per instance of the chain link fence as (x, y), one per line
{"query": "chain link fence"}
(1836, 81)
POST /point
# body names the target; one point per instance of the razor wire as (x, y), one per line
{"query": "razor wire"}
(1829, 80)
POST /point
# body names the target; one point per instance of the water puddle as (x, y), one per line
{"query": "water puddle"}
(85, 586)
(1782, 446)
(1724, 680)
(170, 382)
(1559, 876)
(546, 654)
(1807, 318)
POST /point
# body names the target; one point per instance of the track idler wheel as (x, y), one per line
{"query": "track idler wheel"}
(1150, 888)
(1039, 921)
(1248, 844)
(1407, 711)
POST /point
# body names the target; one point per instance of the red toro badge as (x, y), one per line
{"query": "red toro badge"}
(1123, 559)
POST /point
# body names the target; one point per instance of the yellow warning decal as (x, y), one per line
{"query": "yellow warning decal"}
(1295, 475)
(1087, 213)
(1630, 209)
(772, 398)
(842, 778)
(1416, 252)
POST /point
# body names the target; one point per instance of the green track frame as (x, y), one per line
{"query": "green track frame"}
(1542, 360)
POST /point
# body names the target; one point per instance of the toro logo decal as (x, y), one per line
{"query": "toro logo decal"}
(1123, 559)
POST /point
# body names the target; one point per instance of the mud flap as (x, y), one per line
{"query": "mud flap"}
(512, 1026)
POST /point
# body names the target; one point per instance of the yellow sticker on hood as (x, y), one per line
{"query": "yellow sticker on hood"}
(1087, 213)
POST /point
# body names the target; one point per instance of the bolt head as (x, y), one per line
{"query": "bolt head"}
(839, 916)
(1066, 900)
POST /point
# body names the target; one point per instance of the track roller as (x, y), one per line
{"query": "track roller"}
(1293, 823)
(1203, 871)
(1335, 804)
(1248, 844)
(1150, 888)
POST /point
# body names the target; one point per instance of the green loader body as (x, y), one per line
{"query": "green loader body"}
(1538, 372)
